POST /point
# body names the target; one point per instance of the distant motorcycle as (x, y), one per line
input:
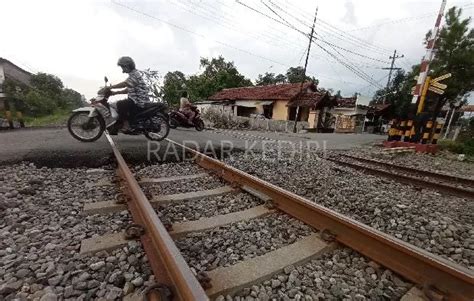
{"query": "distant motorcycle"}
(87, 124)
(177, 118)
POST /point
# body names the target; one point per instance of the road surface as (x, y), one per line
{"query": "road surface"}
(54, 147)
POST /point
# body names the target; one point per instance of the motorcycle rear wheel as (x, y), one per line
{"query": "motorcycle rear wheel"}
(163, 128)
(85, 128)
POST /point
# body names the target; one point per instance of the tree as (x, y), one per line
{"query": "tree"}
(174, 84)
(295, 75)
(48, 84)
(45, 95)
(397, 94)
(71, 98)
(270, 79)
(218, 74)
(455, 54)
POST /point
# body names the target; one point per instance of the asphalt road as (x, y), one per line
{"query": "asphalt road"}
(54, 147)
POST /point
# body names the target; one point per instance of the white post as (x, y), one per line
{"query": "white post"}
(453, 111)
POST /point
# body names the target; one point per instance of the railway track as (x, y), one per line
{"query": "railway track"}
(329, 230)
(448, 184)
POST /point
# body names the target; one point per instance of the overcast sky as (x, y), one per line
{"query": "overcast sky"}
(80, 41)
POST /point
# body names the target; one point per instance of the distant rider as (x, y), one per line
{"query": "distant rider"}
(186, 107)
(136, 89)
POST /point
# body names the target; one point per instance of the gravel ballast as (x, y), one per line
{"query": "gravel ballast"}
(441, 163)
(437, 223)
(227, 245)
(207, 207)
(341, 274)
(41, 228)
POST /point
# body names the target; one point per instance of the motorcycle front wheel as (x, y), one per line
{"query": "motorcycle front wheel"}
(85, 128)
(199, 125)
(161, 128)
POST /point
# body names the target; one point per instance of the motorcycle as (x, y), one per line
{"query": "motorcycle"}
(87, 124)
(178, 118)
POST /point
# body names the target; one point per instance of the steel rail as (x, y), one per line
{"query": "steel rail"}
(417, 265)
(166, 261)
(423, 173)
(452, 190)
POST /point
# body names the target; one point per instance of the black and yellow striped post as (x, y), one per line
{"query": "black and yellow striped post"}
(396, 131)
(391, 130)
(437, 133)
(427, 132)
(401, 129)
(409, 130)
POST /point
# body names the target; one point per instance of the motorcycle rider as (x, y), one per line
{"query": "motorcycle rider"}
(185, 107)
(136, 89)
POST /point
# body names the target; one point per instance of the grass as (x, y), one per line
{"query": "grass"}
(57, 118)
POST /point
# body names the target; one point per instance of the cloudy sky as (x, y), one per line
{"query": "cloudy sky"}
(80, 41)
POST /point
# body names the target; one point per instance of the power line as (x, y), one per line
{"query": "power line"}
(350, 51)
(211, 17)
(343, 33)
(328, 28)
(359, 73)
(348, 65)
(197, 34)
(407, 19)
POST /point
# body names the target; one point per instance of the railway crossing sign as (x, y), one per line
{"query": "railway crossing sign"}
(436, 86)
(440, 78)
(436, 90)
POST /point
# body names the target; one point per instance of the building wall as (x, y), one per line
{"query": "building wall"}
(280, 110)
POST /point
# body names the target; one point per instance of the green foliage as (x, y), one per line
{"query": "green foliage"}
(48, 84)
(295, 75)
(39, 104)
(217, 74)
(397, 94)
(174, 85)
(71, 99)
(465, 141)
(57, 118)
(466, 147)
(270, 79)
(45, 96)
(455, 54)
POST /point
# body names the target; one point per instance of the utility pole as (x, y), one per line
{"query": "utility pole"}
(305, 65)
(394, 57)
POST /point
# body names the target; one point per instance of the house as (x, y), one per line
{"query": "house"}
(347, 115)
(11, 72)
(377, 118)
(278, 102)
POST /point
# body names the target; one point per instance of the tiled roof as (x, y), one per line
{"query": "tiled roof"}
(310, 100)
(268, 92)
(346, 102)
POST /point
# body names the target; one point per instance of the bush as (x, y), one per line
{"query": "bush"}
(224, 121)
(38, 104)
(465, 147)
